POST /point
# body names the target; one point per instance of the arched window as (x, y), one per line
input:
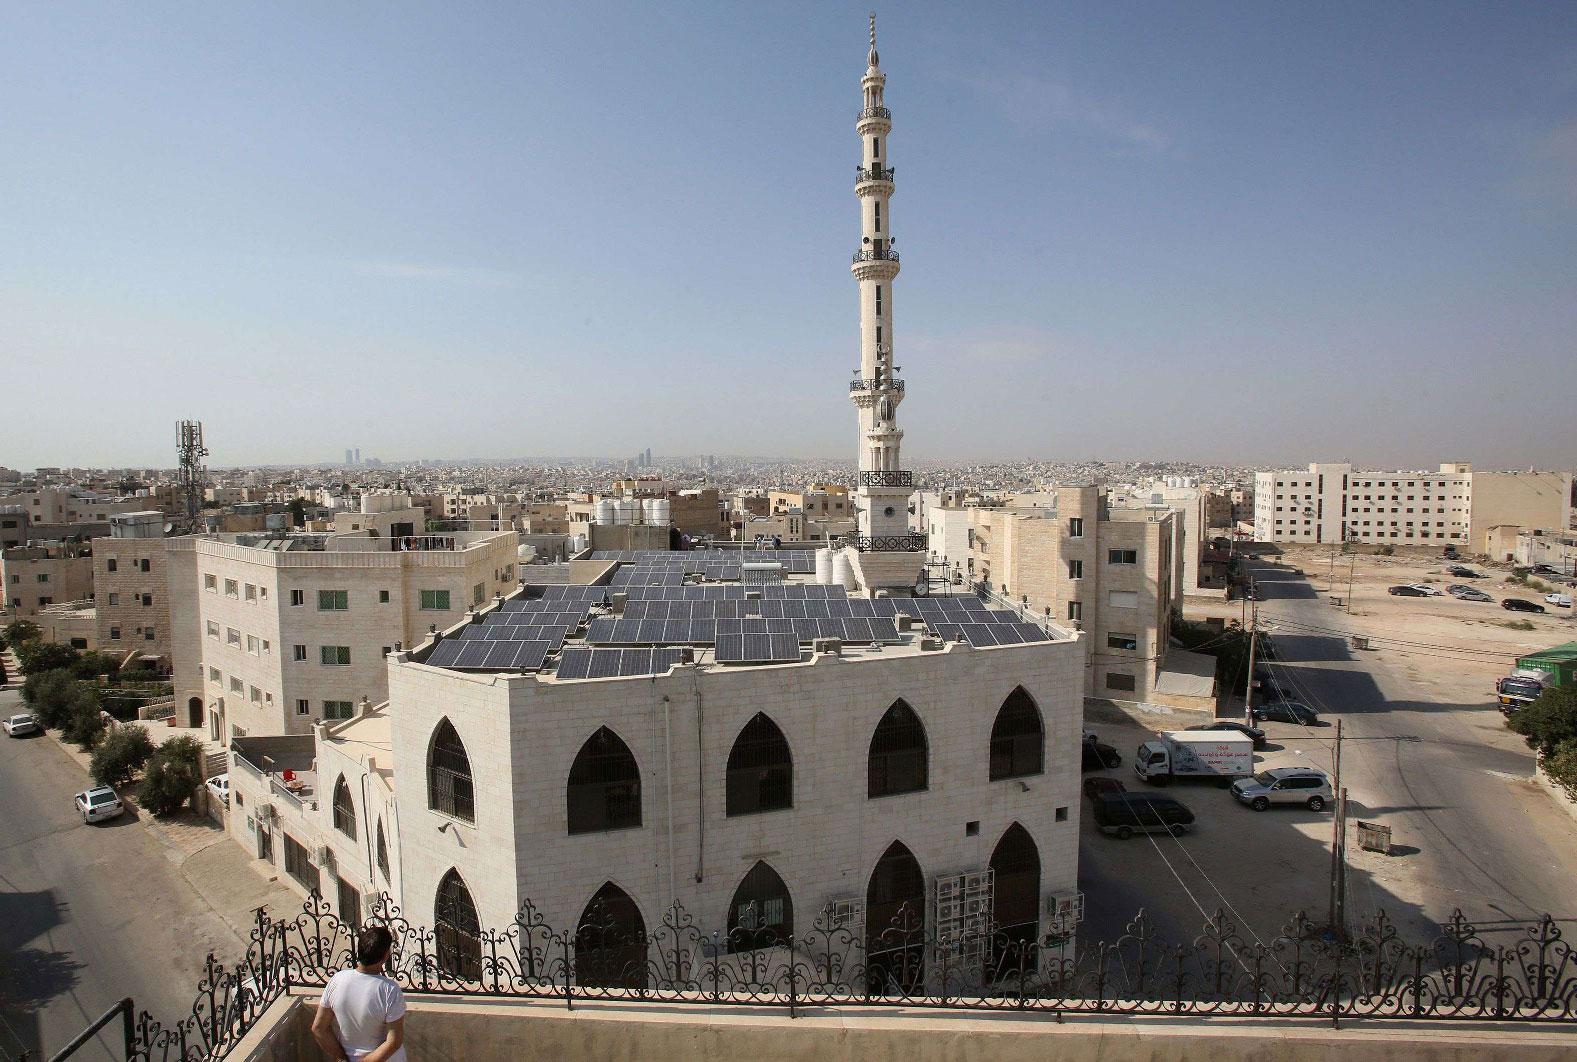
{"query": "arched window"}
(449, 788)
(761, 914)
(458, 929)
(1015, 903)
(1017, 738)
(604, 791)
(760, 769)
(383, 853)
(895, 924)
(610, 941)
(898, 753)
(344, 809)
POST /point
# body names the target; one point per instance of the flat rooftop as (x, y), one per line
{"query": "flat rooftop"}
(659, 609)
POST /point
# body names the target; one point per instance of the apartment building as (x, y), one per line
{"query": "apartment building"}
(130, 587)
(35, 577)
(271, 632)
(819, 501)
(1333, 502)
(1107, 571)
(72, 505)
(15, 526)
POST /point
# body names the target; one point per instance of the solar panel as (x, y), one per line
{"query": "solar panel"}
(757, 648)
(883, 630)
(1031, 632)
(574, 663)
(604, 663)
(473, 653)
(445, 653)
(979, 635)
(951, 632)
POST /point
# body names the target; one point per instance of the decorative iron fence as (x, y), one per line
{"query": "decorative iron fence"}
(887, 479)
(859, 383)
(872, 173)
(874, 112)
(887, 543)
(885, 254)
(1302, 973)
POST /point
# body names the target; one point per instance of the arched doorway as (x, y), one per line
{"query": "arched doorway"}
(610, 941)
(761, 914)
(458, 929)
(895, 924)
(1015, 903)
(194, 713)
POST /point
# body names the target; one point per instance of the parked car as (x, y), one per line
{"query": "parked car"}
(1305, 786)
(1287, 712)
(219, 786)
(1517, 604)
(1463, 572)
(1267, 685)
(1124, 814)
(1427, 590)
(1101, 785)
(98, 804)
(1450, 553)
(1252, 732)
(1468, 593)
(1406, 590)
(1546, 569)
(21, 723)
(1098, 755)
(1559, 600)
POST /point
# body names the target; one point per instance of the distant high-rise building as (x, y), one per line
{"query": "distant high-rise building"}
(349, 455)
(648, 457)
(358, 455)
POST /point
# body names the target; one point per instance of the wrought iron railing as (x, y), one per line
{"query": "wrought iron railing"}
(887, 479)
(1303, 973)
(872, 173)
(869, 254)
(887, 543)
(874, 112)
(859, 383)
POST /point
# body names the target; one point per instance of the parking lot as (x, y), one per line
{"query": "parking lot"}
(1425, 751)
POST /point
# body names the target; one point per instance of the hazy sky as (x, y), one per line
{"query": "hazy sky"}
(1246, 232)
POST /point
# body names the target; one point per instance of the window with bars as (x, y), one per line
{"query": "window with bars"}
(333, 600)
(899, 754)
(457, 929)
(1017, 738)
(382, 853)
(604, 790)
(334, 655)
(449, 787)
(349, 904)
(761, 914)
(344, 809)
(760, 770)
(435, 600)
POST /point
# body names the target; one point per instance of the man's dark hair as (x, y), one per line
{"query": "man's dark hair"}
(372, 945)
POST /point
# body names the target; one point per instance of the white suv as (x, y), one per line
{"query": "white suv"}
(98, 804)
(22, 723)
(1306, 786)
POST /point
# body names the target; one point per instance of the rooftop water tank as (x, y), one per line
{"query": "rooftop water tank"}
(659, 511)
(824, 566)
(843, 571)
(627, 511)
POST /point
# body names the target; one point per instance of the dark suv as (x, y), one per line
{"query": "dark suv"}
(1517, 604)
(1124, 814)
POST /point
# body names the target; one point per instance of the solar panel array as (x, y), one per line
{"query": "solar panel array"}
(769, 608)
(796, 561)
(757, 648)
(490, 654)
(577, 663)
(981, 635)
(714, 631)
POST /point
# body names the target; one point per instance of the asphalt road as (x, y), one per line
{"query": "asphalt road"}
(88, 914)
(1425, 755)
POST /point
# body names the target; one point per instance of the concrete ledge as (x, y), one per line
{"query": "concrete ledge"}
(484, 1030)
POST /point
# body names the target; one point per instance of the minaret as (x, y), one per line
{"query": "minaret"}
(885, 487)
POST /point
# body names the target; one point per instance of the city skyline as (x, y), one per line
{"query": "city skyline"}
(1382, 202)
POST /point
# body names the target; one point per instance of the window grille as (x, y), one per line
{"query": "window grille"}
(760, 770)
(344, 809)
(1017, 738)
(449, 786)
(898, 753)
(604, 790)
(457, 929)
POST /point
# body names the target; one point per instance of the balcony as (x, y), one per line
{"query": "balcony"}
(872, 173)
(887, 479)
(874, 112)
(859, 383)
(887, 543)
(875, 254)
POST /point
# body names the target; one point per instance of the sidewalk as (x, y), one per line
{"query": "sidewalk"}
(219, 870)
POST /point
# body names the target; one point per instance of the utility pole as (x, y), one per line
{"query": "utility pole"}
(1352, 564)
(1248, 683)
(1338, 914)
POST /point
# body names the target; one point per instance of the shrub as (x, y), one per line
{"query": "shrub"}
(1519, 624)
(1386, 550)
(84, 718)
(123, 752)
(50, 694)
(1560, 767)
(44, 656)
(92, 665)
(19, 631)
(171, 776)
(1549, 722)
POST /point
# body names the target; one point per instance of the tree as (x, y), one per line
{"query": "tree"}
(1560, 767)
(19, 631)
(92, 665)
(298, 512)
(50, 693)
(1549, 722)
(84, 717)
(122, 753)
(44, 656)
(170, 776)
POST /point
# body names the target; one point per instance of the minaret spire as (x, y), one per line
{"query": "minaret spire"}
(888, 554)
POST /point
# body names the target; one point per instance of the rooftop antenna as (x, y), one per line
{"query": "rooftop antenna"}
(193, 475)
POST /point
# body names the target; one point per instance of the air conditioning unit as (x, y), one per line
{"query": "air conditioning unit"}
(1066, 908)
(323, 856)
(617, 601)
(903, 621)
(932, 645)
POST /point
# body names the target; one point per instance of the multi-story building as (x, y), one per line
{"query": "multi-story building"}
(15, 525)
(1104, 570)
(35, 577)
(273, 631)
(130, 587)
(824, 502)
(72, 505)
(1333, 502)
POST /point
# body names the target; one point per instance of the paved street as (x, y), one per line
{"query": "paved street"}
(1427, 755)
(89, 914)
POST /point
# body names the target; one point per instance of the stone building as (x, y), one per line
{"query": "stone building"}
(131, 587)
(35, 577)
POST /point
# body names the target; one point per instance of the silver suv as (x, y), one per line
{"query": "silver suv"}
(1306, 786)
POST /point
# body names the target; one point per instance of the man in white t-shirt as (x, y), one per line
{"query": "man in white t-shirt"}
(362, 1015)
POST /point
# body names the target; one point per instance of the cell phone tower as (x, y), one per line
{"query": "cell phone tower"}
(193, 473)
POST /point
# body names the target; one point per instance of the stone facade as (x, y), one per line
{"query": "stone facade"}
(131, 595)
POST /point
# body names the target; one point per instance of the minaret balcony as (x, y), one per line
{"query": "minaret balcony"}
(875, 254)
(860, 383)
(893, 478)
(875, 112)
(887, 543)
(863, 174)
